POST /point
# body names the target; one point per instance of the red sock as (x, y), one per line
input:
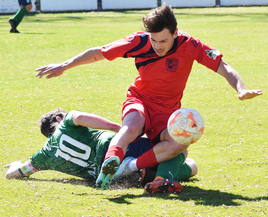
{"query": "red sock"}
(146, 160)
(115, 150)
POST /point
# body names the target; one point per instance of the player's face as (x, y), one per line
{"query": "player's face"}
(162, 41)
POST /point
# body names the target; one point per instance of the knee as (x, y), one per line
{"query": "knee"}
(133, 123)
(173, 147)
(134, 129)
(176, 149)
(192, 164)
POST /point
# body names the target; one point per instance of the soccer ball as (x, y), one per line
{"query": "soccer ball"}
(185, 126)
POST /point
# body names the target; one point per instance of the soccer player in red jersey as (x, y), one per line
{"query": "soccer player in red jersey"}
(163, 57)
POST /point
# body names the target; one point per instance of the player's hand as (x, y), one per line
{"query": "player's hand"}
(13, 172)
(248, 94)
(50, 71)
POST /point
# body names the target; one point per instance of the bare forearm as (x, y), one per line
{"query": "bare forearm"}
(89, 56)
(94, 121)
(236, 82)
(231, 76)
(53, 70)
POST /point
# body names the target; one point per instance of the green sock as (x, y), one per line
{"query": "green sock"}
(19, 15)
(184, 172)
(171, 169)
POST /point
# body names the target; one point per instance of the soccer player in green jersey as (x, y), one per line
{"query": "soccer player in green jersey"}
(75, 148)
(72, 147)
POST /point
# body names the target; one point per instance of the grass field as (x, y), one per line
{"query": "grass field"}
(232, 155)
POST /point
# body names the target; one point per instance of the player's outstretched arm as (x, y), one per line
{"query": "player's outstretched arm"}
(236, 82)
(18, 170)
(94, 121)
(53, 70)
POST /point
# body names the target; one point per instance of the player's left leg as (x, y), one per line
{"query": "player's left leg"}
(25, 6)
(166, 176)
(185, 171)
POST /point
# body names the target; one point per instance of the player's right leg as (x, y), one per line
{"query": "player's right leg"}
(108, 169)
(132, 127)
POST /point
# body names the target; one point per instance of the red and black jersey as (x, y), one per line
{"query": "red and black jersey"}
(163, 79)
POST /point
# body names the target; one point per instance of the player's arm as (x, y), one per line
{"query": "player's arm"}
(236, 82)
(18, 170)
(52, 70)
(94, 121)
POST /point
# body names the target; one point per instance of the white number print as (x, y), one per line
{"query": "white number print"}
(72, 155)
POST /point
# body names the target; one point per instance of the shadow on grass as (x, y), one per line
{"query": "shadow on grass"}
(197, 195)
(72, 181)
(191, 193)
(122, 183)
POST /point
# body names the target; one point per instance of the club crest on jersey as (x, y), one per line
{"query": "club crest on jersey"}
(212, 54)
(172, 64)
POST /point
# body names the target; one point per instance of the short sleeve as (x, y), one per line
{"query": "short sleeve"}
(204, 54)
(68, 120)
(123, 47)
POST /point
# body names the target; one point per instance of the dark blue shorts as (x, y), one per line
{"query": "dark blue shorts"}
(25, 2)
(138, 147)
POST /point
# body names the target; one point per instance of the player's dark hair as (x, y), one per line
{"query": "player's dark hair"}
(48, 121)
(160, 18)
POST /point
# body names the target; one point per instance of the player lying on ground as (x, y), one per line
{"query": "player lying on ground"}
(73, 147)
(164, 57)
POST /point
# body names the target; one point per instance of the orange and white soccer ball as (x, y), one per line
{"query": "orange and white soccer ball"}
(185, 126)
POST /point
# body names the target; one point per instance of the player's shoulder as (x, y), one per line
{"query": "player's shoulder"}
(68, 120)
(184, 36)
(138, 36)
(188, 40)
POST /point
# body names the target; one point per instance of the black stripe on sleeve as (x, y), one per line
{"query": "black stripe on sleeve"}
(143, 42)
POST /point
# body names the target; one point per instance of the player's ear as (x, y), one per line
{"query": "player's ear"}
(175, 34)
(58, 118)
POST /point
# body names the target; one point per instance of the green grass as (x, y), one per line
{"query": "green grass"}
(232, 154)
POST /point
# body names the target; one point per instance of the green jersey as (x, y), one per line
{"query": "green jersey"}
(74, 150)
